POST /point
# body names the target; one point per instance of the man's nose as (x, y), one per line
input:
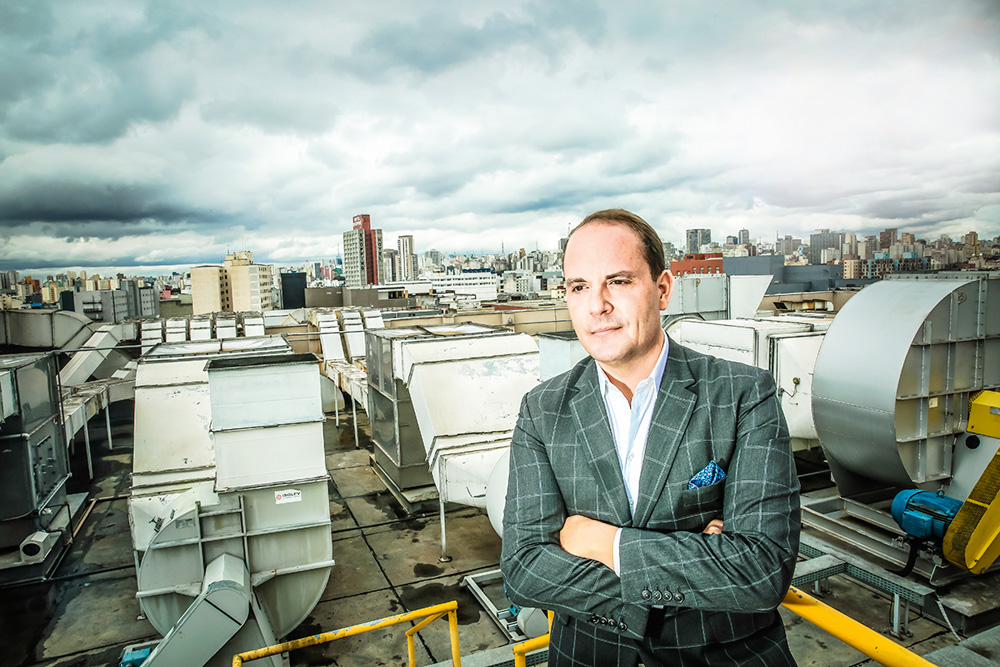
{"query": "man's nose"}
(600, 301)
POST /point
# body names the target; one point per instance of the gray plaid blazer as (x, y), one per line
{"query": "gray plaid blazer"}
(563, 461)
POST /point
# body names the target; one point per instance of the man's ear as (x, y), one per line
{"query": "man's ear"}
(665, 285)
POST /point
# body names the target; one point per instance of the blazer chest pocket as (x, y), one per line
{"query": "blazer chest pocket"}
(703, 498)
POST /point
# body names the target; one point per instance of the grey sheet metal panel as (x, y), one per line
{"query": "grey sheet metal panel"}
(893, 377)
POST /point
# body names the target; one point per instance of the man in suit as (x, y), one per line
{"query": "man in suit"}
(652, 502)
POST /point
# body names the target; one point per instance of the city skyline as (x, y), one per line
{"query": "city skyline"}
(305, 264)
(143, 139)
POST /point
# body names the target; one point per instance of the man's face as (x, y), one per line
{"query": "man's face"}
(613, 300)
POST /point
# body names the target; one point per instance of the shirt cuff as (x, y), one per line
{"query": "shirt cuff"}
(614, 550)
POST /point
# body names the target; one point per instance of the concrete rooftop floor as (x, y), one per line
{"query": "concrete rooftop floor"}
(387, 563)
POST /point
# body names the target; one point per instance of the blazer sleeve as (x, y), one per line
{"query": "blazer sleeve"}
(749, 566)
(537, 572)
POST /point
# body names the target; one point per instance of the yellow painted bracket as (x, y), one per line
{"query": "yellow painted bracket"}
(972, 541)
(984, 413)
(427, 614)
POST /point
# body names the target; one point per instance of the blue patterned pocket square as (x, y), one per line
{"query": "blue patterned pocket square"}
(710, 474)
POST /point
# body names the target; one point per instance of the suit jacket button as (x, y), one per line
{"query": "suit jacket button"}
(623, 627)
(604, 620)
(657, 595)
(667, 597)
(646, 594)
(679, 597)
(613, 623)
(594, 618)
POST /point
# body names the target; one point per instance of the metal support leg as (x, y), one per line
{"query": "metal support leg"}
(86, 441)
(107, 424)
(354, 418)
(821, 587)
(336, 412)
(445, 558)
(900, 616)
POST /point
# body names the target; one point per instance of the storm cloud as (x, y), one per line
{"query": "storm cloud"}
(164, 134)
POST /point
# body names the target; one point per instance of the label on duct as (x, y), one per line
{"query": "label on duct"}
(287, 496)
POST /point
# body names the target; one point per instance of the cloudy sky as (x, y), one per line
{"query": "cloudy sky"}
(161, 134)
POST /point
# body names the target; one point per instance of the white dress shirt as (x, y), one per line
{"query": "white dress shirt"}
(630, 428)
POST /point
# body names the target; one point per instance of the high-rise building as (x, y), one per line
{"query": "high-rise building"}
(238, 285)
(390, 266)
(970, 244)
(362, 253)
(209, 290)
(697, 238)
(407, 258)
(822, 240)
(886, 238)
(8, 279)
(849, 245)
(744, 236)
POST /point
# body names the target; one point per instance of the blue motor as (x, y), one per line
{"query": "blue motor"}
(924, 515)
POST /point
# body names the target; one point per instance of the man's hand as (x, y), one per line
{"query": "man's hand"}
(714, 527)
(588, 538)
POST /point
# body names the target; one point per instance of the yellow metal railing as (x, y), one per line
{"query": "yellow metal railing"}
(873, 644)
(428, 614)
(521, 650)
(876, 646)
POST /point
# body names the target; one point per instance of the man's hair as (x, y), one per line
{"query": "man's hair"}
(652, 247)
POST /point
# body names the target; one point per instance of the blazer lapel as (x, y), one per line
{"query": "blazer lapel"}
(592, 425)
(674, 405)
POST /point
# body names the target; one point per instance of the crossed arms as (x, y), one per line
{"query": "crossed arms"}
(550, 563)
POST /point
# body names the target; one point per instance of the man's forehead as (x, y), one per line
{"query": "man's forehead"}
(605, 245)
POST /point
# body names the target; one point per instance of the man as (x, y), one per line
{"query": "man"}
(652, 501)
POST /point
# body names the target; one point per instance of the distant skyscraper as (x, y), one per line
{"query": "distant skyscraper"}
(362, 253)
(696, 238)
(744, 236)
(821, 241)
(887, 238)
(8, 279)
(390, 266)
(407, 259)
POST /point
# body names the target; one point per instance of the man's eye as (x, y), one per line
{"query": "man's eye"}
(576, 288)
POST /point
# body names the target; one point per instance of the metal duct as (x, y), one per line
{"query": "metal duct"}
(893, 377)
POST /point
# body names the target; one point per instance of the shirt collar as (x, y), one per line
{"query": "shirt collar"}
(656, 375)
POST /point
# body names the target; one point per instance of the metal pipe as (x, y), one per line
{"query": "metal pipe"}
(90, 508)
(326, 637)
(873, 644)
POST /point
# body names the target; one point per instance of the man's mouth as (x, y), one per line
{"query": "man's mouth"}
(605, 330)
